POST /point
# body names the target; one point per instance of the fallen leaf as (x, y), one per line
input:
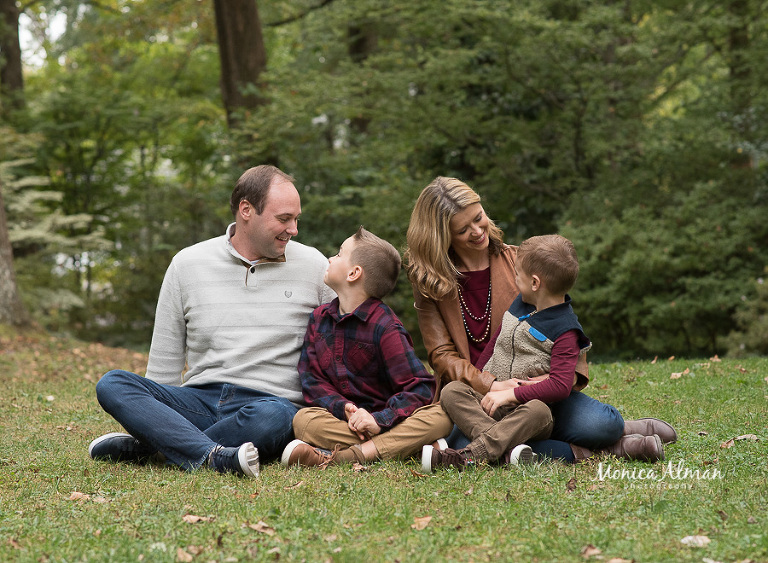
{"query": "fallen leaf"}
(727, 444)
(695, 541)
(654, 359)
(590, 551)
(686, 371)
(469, 491)
(620, 560)
(14, 543)
(723, 514)
(358, 467)
(571, 485)
(750, 437)
(79, 496)
(331, 538)
(263, 528)
(417, 474)
(702, 433)
(420, 522)
(751, 520)
(715, 358)
(670, 358)
(182, 555)
(294, 486)
(192, 519)
(741, 369)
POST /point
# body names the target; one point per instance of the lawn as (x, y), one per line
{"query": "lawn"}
(707, 502)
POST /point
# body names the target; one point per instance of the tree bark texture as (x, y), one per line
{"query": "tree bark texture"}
(11, 77)
(11, 308)
(241, 51)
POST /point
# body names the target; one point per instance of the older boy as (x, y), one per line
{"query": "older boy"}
(369, 394)
(540, 339)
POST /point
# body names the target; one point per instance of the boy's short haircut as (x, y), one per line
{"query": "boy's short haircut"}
(379, 260)
(552, 258)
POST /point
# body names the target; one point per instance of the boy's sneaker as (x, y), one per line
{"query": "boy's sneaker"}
(432, 458)
(520, 455)
(441, 444)
(240, 461)
(119, 446)
(299, 452)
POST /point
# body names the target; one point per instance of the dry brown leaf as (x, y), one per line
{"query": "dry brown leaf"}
(76, 495)
(358, 467)
(417, 474)
(695, 541)
(294, 486)
(620, 560)
(469, 491)
(751, 520)
(420, 522)
(193, 519)
(182, 555)
(703, 433)
(263, 528)
(727, 444)
(14, 543)
(655, 358)
(741, 369)
(750, 437)
(331, 538)
(571, 484)
(670, 358)
(590, 551)
(715, 358)
(678, 375)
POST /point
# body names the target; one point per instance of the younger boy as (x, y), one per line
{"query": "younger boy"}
(539, 321)
(369, 395)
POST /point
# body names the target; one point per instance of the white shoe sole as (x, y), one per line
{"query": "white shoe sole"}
(248, 456)
(289, 450)
(426, 458)
(100, 439)
(442, 444)
(521, 454)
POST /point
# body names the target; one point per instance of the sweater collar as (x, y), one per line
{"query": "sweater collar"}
(230, 233)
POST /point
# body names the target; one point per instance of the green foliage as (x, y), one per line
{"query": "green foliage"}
(637, 129)
(751, 336)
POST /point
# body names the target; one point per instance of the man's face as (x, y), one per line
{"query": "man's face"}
(269, 233)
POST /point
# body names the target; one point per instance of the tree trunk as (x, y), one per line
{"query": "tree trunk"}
(242, 54)
(11, 308)
(11, 77)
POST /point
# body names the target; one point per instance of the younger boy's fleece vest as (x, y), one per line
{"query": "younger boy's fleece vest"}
(524, 346)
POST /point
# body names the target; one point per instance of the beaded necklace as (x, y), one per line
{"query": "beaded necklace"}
(485, 316)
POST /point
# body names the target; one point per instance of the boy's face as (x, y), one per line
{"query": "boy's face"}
(340, 266)
(525, 283)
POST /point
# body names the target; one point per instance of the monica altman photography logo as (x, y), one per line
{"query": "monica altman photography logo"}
(669, 476)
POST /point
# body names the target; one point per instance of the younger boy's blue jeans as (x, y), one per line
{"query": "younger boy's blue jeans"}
(186, 423)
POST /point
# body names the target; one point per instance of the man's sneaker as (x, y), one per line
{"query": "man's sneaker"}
(520, 455)
(432, 458)
(240, 461)
(119, 446)
(299, 452)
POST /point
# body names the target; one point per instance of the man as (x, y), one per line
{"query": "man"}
(232, 310)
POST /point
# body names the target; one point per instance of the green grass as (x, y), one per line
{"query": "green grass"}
(58, 505)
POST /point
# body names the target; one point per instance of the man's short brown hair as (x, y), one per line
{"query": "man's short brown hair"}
(552, 258)
(379, 260)
(253, 187)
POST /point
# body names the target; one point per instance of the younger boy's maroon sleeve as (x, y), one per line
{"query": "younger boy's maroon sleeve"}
(562, 370)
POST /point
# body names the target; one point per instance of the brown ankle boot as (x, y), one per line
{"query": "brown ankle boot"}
(637, 446)
(632, 447)
(649, 427)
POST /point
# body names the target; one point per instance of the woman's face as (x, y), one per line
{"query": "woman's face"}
(469, 229)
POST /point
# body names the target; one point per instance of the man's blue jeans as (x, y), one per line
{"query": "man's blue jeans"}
(579, 419)
(186, 423)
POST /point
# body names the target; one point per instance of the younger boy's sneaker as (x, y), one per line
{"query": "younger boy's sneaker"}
(299, 452)
(119, 446)
(432, 458)
(240, 461)
(519, 455)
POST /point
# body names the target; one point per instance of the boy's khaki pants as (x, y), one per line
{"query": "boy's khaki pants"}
(493, 436)
(318, 427)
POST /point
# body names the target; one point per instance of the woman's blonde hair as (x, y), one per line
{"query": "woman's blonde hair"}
(429, 258)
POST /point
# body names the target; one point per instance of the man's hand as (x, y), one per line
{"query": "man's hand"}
(495, 399)
(362, 423)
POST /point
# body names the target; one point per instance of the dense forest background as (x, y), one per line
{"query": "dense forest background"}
(637, 128)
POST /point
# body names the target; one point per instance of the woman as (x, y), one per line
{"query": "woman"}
(463, 281)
